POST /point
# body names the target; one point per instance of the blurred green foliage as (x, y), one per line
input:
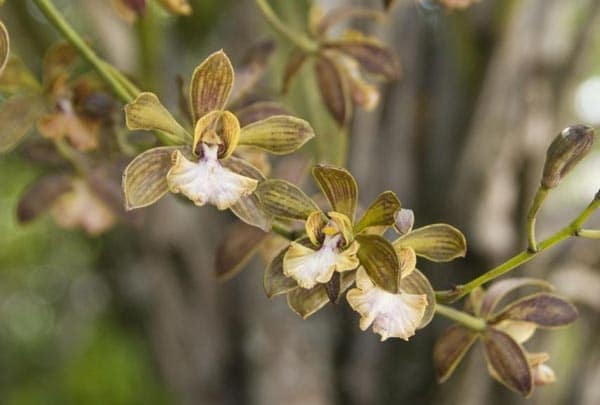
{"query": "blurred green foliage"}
(59, 341)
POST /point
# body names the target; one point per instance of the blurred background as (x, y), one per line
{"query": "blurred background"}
(136, 316)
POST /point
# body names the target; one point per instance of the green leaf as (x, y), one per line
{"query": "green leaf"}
(280, 134)
(381, 212)
(249, 209)
(283, 199)
(239, 245)
(507, 361)
(147, 113)
(502, 288)
(437, 242)
(145, 178)
(211, 84)
(380, 261)
(17, 117)
(543, 309)
(339, 187)
(417, 283)
(4, 46)
(274, 281)
(450, 349)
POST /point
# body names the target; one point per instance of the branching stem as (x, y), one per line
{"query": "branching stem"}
(469, 321)
(573, 229)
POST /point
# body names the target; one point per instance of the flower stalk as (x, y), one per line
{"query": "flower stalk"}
(536, 205)
(469, 321)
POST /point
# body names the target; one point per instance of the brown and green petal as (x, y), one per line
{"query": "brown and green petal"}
(450, 349)
(340, 188)
(543, 309)
(437, 242)
(211, 85)
(380, 261)
(381, 212)
(307, 302)
(17, 78)
(274, 281)
(500, 289)
(240, 244)
(372, 56)
(507, 361)
(335, 89)
(283, 199)
(17, 117)
(145, 178)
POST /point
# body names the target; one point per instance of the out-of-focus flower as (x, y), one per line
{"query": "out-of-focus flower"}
(345, 65)
(508, 327)
(59, 104)
(91, 202)
(201, 166)
(131, 10)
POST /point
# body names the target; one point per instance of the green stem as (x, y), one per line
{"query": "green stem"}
(589, 233)
(538, 201)
(298, 39)
(469, 321)
(55, 18)
(573, 229)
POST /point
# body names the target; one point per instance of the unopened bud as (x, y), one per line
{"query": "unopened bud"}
(565, 151)
(404, 221)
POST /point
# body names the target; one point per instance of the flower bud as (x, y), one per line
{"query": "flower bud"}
(565, 151)
(404, 220)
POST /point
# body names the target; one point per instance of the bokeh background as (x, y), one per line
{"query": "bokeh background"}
(137, 316)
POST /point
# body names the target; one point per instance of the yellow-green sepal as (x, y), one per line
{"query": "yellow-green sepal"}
(283, 199)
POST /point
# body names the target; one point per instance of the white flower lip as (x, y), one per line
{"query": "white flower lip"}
(392, 315)
(207, 181)
(309, 267)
